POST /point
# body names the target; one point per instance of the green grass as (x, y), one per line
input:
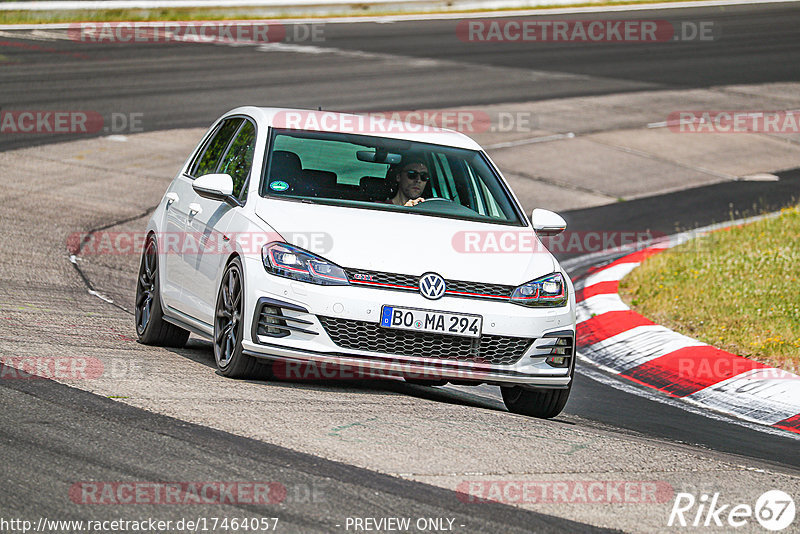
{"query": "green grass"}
(242, 13)
(130, 15)
(736, 289)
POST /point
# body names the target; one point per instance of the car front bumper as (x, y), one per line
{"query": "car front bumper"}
(309, 348)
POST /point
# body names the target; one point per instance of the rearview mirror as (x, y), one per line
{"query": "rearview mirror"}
(216, 187)
(379, 156)
(547, 223)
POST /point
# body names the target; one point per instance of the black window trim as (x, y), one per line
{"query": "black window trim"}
(208, 142)
(210, 135)
(203, 146)
(230, 144)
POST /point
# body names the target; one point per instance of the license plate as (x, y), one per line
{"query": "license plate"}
(455, 324)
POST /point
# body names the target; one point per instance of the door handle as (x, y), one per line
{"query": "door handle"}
(171, 197)
(194, 209)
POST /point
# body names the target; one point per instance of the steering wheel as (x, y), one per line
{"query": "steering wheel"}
(432, 199)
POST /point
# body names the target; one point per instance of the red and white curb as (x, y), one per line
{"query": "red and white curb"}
(623, 342)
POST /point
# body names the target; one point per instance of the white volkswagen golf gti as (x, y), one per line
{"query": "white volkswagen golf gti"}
(318, 238)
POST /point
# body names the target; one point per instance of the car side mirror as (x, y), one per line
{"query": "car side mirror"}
(216, 187)
(547, 223)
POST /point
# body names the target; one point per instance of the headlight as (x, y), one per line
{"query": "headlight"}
(548, 291)
(292, 262)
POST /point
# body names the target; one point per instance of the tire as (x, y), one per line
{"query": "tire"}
(229, 328)
(151, 328)
(542, 403)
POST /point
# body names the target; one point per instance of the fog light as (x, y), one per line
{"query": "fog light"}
(270, 315)
(272, 320)
(560, 352)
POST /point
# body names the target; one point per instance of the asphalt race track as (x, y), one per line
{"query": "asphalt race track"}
(53, 435)
(181, 85)
(109, 438)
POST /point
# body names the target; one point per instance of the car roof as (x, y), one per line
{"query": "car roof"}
(333, 121)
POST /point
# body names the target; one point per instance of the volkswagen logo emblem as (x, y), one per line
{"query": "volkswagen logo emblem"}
(432, 286)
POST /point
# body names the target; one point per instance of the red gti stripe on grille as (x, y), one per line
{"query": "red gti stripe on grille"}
(475, 294)
(380, 284)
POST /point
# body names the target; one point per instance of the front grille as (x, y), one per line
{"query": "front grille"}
(378, 279)
(362, 335)
(472, 288)
(407, 282)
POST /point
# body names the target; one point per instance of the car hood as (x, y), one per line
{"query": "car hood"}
(408, 243)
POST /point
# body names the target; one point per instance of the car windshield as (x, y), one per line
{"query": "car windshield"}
(378, 173)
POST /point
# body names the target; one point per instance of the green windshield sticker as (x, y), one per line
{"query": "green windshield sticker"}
(279, 186)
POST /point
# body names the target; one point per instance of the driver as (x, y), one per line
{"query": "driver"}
(412, 177)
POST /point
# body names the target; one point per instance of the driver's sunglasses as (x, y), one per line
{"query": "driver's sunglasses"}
(413, 175)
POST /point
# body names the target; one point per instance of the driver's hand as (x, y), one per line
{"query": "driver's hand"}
(414, 201)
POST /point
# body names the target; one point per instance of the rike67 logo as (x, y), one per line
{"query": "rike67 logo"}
(774, 510)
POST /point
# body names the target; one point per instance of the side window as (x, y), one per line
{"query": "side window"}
(476, 192)
(209, 161)
(239, 158)
(493, 210)
(446, 177)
